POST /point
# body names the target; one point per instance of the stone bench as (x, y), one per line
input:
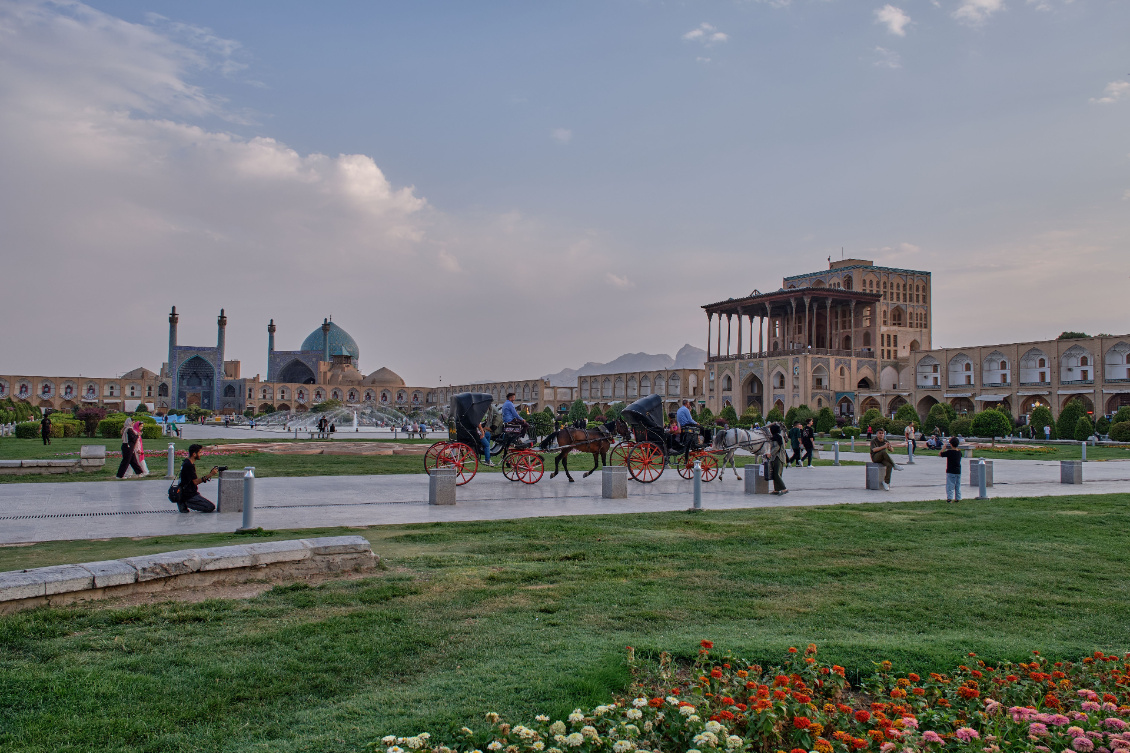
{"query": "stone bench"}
(91, 458)
(1071, 471)
(189, 568)
(875, 473)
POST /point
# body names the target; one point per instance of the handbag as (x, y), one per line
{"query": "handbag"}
(174, 493)
(765, 474)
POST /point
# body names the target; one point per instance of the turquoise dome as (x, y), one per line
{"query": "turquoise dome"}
(339, 341)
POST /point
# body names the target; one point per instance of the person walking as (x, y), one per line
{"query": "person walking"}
(45, 429)
(808, 438)
(795, 434)
(130, 438)
(953, 470)
(881, 454)
(778, 459)
(911, 443)
(190, 482)
(138, 453)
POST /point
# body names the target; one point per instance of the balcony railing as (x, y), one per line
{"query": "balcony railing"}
(796, 352)
(960, 386)
(929, 386)
(1069, 382)
(1117, 381)
(1035, 384)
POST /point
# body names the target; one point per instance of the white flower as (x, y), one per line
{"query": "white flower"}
(574, 739)
(602, 710)
(559, 738)
(715, 727)
(557, 728)
(647, 726)
(589, 731)
(415, 743)
(494, 745)
(733, 741)
(395, 749)
(693, 718)
(388, 739)
(634, 714)
(639, 703)
(466, 731)
(686, 710)
(554, 750)
(621, 746)
(672, 700)
(542, 718)
(539, 745)
(706, 737)
(631, 729)
(424, 736)
(576, 716)
(692, 750)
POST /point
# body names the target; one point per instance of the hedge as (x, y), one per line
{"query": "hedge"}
(961, 427)
(1120, 432)
(991, 423)
(851, 431)
(59, 428)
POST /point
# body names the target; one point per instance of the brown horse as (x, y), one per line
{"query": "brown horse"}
(582, 440)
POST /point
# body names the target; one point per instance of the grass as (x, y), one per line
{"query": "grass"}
(533, 615)
(1045, 452)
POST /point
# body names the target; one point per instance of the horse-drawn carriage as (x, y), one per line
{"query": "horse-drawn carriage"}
(652, 447)
(462, 448)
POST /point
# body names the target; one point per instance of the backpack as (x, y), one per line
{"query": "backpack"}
(174, 492)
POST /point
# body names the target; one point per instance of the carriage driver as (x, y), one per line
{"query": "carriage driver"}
(510, 412)
(684, 419)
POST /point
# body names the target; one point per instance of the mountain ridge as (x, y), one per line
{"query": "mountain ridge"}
(687, 357)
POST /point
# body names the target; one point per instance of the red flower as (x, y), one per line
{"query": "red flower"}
(792, 649)
(862, 716)
(801, 722)
(655, 703)
(781, 681)
(801, 697)
(913, 677)
(727, 700)
(780, 695)
(707, 644)
(716, 673)
(727, 715)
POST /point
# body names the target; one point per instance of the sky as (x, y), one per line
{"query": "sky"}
(499, 190)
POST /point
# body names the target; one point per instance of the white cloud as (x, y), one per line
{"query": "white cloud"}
(701, 59)
(448, 262)
(894, 19)
(976, 12)
(1126, 195)
(561, 135)
(618, 281)
(707, 34)
(885, 58)
(1113, 92)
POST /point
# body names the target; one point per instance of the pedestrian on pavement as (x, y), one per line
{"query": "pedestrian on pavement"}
(794, 438)
(130, 438)
(880, 453)
(953, 470)
(138, 452)
(1047, 432)
(808, 437)
(911, 443)
(190, 482)
(45, 429)
(778, 459)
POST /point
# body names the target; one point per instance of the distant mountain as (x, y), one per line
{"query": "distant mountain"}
(688, 357)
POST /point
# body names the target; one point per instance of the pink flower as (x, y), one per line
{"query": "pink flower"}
(1020, 714)
(911, 722)
(1082, 744)
(1088, 694)
(886, 747)
(1090, 706)
(1058, 720)
(992, 707)
(1115, 723)
(1075, 731)
(965, 734)
(931, 737)
(1037, 729)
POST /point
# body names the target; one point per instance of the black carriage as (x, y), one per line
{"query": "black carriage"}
(654, 447)
(462, 449)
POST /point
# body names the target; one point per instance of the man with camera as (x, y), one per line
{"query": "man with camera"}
(190, 482)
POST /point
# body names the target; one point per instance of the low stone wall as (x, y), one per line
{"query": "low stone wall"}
(189, 568)
(91, 457)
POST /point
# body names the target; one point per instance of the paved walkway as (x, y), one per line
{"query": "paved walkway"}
(104, 509)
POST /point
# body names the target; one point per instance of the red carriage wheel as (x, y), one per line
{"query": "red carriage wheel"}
(619, 453)
(645, 462)
(460, 457)
(529, 467)
(509, 467)
(709, 466)
(432, 455)
(685, 467)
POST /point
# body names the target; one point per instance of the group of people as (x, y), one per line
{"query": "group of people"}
(326, 428)
(510, 415)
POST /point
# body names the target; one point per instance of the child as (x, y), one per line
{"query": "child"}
(953, 470)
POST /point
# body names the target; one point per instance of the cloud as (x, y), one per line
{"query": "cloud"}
(894, 19)
(618, 281)
(561, 135)
(448, 262)
(707, 34)
(1126, 195)
(701, 59)
(887, 58)
(976, 12)
(1113, 92)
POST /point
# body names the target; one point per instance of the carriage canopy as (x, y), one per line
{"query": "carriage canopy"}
(468, 408)
(646, 412)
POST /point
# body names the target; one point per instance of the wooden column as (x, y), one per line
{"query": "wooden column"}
(828, 329)
(709, 327)
(740, 317)
(729, 321)
(807, 332)
(718, 350)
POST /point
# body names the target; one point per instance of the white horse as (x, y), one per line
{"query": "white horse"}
(730, 441)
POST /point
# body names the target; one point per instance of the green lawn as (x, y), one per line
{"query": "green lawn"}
(1058, 452)
(527, 616)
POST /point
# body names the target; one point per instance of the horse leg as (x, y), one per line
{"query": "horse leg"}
(595, 465)
(556, 460)
(565, 462)
(733, 464)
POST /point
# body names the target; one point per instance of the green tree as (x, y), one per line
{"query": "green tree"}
(752, 414)
(825, 420)
(1072, 335)
(1068, 417)
(326, 405)
(937, 418)
(906, 414)
(1084, 428)
(800, 413)
(961, 427)
(774, 416)
(873, 418)
(705, 416)
(1102, 426)
(614, 411)
(1040, 417)
(141, 408)
(729, 415)
(991, 424)
(1120, 432)
(541, 423)
(1122, 416)
(577, 412)
(595, 412)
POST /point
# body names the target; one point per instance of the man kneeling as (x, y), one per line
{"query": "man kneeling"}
(190, 498)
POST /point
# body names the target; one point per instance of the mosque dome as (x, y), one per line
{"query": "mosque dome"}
(340, 341)
(384, 377)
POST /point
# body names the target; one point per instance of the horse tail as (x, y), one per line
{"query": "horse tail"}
(544, 445)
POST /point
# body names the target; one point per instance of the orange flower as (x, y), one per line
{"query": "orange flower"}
(655, 703)
(802, 722)
(716, 673)
(743, 674)
(822, 746)
(707, 644)
(780, 695)
(862, 716)
(918, 691)
(913, 677)
(780, 681)
(792, 649)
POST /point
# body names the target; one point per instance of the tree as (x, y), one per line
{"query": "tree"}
(825, 420)
(615, 410)
(548, 411)
(1072, 335)
(1068, 417)
(577, 412)
(327, 405)
(1040, 417)
(961, 427)
(991, 424)
(541, 424)
(774, 416)
(1122, 416)
(800, 413)
(873, 418)
(595, 412)
(1120, 432)
(937, 418)
(906, 414)
(141, 408)
(729, 415)
(705, 416)
(90, 417)
(1084, 428)
(1102, 426)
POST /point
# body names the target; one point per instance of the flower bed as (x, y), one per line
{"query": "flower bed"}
(165, 453)
(722, 703)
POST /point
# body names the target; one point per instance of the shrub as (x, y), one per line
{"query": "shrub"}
(800, 413)
(615, 411)
(1084, 428)
(835, 432)
(1120, 432)
(705, 416)
(991, 424)
(60, 427)
(541, 423)
(152, 431)
(1102, 426)
(729, 415)
(1122, 416)
(141, 408)
(874, 419)
(825, 420)
(27, 430)
(937, 418)
(961, 427)
(111, 426)
(896, 427)
(1068, 417)
(906, 414)
(851, 431)
(1041, 417)
(595, 411)
(577, 411)
(774, 416)
(194, 412)
(90, 416)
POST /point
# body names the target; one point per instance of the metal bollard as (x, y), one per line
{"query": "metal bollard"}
(982, 491)
(171, 473)
(1083, 444)
(853, 443)
(910, 453)
(836, 447)
(248, 498)
(698, 484)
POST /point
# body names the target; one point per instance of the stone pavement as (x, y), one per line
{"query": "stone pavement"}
(105, 509)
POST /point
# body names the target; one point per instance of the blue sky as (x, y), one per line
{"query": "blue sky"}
(511, 188)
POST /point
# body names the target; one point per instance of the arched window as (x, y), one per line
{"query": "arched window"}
(1042, 363)
(163, 390)
(1083, 361)
(645, 386)
(727, 383)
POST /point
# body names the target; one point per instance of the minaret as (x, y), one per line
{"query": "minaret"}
(326, 340)
(173, 319)
(221, 335)
(271, 337)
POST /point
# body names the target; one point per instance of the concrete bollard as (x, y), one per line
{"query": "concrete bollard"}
(910, 453)
(979, 468)
(441, 486)
(171, 473)
(982, 474)
(231, 491)
(875, 473)
(755, 482)
(614, 482)
(698, 484)
(836, 447)
(853, 443)
(1071, 472)
(248, 499)
(1083, 446)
